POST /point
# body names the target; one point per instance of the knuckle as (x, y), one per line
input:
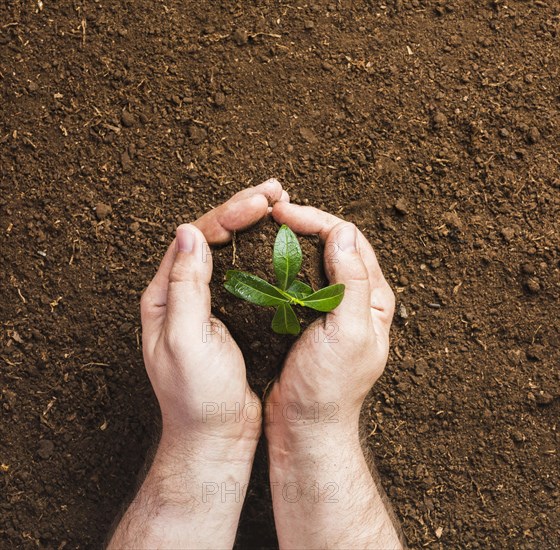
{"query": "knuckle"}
(342, 224)
(179, 272)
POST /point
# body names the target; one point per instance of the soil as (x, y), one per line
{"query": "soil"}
(263, 353)
(432, 124)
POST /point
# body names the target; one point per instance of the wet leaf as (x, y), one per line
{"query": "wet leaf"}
(286, 257)
(285, 320)
(325, 299)
(253, 289)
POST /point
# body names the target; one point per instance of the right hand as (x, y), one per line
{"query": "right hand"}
(334, 364)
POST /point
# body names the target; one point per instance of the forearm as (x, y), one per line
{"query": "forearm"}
(324, 495)
(191, 498)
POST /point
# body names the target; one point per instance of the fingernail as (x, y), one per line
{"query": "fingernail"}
(347, 238)
(185, 239)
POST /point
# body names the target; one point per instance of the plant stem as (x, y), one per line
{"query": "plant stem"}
(292, 299)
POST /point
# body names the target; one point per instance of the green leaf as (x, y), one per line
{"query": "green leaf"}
(325, 299)
(300, 290)
(286, 257)
(253, 289)
(285, 320)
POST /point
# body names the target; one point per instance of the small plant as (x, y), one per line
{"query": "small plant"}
(288, 291)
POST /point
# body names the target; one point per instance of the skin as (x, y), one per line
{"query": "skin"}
(183, 502)
(324, 495)
(194, 490)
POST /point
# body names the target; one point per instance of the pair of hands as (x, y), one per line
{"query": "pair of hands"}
(194, 490)
(190, 363)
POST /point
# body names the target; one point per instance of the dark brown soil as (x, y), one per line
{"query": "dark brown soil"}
(432, 124)
(263, 350)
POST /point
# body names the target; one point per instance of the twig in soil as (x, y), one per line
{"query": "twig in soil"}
(478, 491)
(267, 387)
(84, 25)
(486, 163)
(71, 261)
(115, 129)
(481, 344)
(8, 362)
(142, 220)
(44, 421)
(14, 282)
(21, 296)
(49, 406)
(234, 248)
(292, 167)
(253, 35)
(54, 304)
(29, 142)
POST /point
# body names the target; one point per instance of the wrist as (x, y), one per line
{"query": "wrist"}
(208, 447)
(311, 446)
(219, 431)
(307, 425)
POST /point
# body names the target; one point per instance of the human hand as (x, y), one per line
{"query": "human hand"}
(318, 470)
(334, 364)
(195, 367)
(192, 360)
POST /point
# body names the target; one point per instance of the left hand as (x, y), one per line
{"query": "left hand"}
(195, 367)
(335, 362)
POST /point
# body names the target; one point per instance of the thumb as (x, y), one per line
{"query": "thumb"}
(188, 294)
(344, 264)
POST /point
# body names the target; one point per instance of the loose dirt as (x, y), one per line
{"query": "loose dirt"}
(433, 125)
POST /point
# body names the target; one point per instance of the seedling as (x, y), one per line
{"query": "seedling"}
(288, 291)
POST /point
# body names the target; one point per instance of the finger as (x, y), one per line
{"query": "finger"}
(188, 292)
(382, 296)
(155, 297)
(348, 268)
(284, 198)
(271, 189)
(308, 220)
(218, 225)
(241, 211)
(305, 220)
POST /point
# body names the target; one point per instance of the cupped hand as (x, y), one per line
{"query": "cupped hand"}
(195, 367)
(331, 368)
